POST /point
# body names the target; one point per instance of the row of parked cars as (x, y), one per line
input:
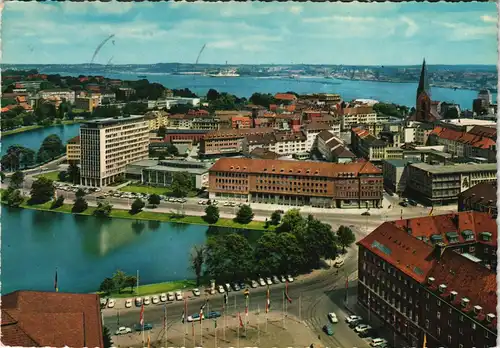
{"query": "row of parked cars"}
(137, 327)
(74, 188)
(143, 196)
(366, 331)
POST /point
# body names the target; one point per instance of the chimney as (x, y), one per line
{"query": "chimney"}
(465, 302)
(430, 280)
(477, 309)
(453, 295)
(490, 317)
(439, 250)
(442, 288)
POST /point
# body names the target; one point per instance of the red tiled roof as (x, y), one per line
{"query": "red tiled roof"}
(359, 110)
(74, 140)
(285, 96)
(403, 251)
(473, 140)
(35, 318)
(488, 132)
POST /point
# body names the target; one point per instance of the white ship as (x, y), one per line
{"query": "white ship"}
(227, 73)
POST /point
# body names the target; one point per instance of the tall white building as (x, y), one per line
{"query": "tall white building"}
(108, 145)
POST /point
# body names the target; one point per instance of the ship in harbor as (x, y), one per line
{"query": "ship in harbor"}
(225, 73)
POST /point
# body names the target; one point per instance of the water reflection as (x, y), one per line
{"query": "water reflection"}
(138, 226)
(153, 225)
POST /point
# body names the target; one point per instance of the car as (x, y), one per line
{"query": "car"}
(378, 342)
(242, 285)
(147, 301)
(211, 291)
(262, 282)
(412, 202)
(138, 327)
(365, 213)
(227, 287)
(269, 281)
(194, 317)
(227, 204)
(196, 292)
(236, 287)
(138, 301)
(111, 303)
(276, 280)
(403, 204)
(215, 202)
(128, 303)
(201, 202)
(333, 317)
(339, 263)
(362, 328)
(369, 333)
(283, 279)
(289, 278)
(163, 297)
(123, 330)
(178, 296)
(352, 318)
(170, 296)
(356, 323)
(155, 299)
(254, 284)
(328, 329)
(212, 315)
(221, 289)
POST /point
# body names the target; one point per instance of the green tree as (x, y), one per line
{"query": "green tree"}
(212, 94)
(211, 214)
(181, 184)
(130, 282)
(107, 286)
(80, 205)
(262, 99)
(14, 198)
(278, 254)
(154, 200)
(451, 113)
(42, 190)
(17, 157)
(103, 209)
(292, 222)
(197, 259)
(56, 203)
(275, 218)
(73, 173)
(106, 337)
(119, 280)
(244, 215)
(161, 132)
(2, 177)
(345, 237)
(16, 180)
(172, 150)
(51, 147)
(137, 206)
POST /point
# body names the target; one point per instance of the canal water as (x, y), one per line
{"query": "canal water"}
(85, 249)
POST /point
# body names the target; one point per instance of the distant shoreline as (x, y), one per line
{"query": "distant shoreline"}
(35, 127)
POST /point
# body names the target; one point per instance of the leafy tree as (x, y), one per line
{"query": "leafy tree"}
(73, 173)
(212, 94)
(262, 99)
(106, 337)
(42, 190)
(197, 259)
(211, 214)
(154, 200)
(172, 150)
(292, 222)
(2, 177)
(107, 286)
(244, 215)
(16, 157)
(451, 113)
(57, 202)
(106, 111)
(14, 198)
(228, 257)
(278, 254)
(80, 193)
(181, 184)
(275, 218)
(103, 209)
(185, 92)
(345, 237)
(161, 156)
(80, 205)
(137, 206)
(161, 132)
(16, 180)
(135, 109)
(51, 147)
(62, 175)
(130, 282)
(119, 280)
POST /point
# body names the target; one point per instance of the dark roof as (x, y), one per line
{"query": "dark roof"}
(74, 140)
(342, 152)
(325, 135)
(484, 192)
(54, 319)
(262, 153)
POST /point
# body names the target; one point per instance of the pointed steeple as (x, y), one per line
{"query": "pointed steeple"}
(423, 83)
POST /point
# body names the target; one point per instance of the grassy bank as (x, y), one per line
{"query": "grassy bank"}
(151, 189)
(20, 130)
(54, 176)
(154, 289)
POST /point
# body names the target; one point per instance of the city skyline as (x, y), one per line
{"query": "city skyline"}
(250, 33)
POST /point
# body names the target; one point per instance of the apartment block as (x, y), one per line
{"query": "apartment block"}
(332, 149)
(297, 183)
(360, 115)
(441, 184)
(66, 94)
(313, 129)
(156, 119)
(228, 141)
(279, 142)
(108, 145)
(481, 197)
(73, 150)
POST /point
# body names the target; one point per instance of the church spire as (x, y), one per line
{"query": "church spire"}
(423, 84)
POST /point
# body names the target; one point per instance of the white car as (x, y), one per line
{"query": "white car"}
(111, 303)
(123, 330)
(170, 296)
(178, 296)
(155, 300)
(339, 263)
(352, 318)
(377, 342)
(201, 202)
(269, 281)
(333, 317)
(228, 287)
(128, 303)
(138, 301)
(262, 282)
(289, 278)
(254, 284)
(283, 279)
(362, 328)
(163, 297)
(147, 301)
(196, 292)
(221, 289)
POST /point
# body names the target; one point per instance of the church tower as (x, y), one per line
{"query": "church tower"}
(423, 105)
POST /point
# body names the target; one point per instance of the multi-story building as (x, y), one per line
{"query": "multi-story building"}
(156, 119)
(332, 149)
(320, 184)
(396, 174)
(480, 197)
(441, 184)
(124, 93)
(180, 121)
(84, 103)
(282, 143)
(195, 135)
(238, 122)
(228, 141)
(366, 145)
(350, 117)
(73, 150)
(108, 145)
(207, 123)
(431, 278)
(313, 129)
(63, 94)
(417, 132)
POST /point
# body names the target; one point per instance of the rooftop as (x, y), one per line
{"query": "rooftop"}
(455, 168)
(470, 139)
(484, 192)
(112, 121)
(470, 122)
(400, 163)
(74, 140)
(285, 96)
(236, 133)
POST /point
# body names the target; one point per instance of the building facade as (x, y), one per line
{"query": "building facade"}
(73, 150)
(332, 149)
(297, 183)
(156, 119)
(396, 174)
(108, 145)
(481, 197)
(162, 173)
(66, 94)
(228, 141)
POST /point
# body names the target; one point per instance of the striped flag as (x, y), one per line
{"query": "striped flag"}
(149, 341)
(141, 320)
(55, 283)
(401, 214)
(201, 311)
(425, 341)
(268, 301)
(286, 293)
(192, 325)
(183, 318)
(215, 324)
(241, 321)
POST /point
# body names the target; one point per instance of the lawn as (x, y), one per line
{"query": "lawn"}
(20, 130)
(152, 189)
(153, 289)
(54, 176)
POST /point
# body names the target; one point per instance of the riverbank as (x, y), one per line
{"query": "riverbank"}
(152, 289)
(35, 127)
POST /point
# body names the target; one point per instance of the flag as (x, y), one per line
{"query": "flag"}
(165, 315)
(241, 321)
(401, 214)
(141, 320)
(224, 303)
(268, 301)
(201, 311)
(215, 324)
(432, 210)
(55, 283)
(185, 308)
(192, 325)
(286, 293)
(425, 341)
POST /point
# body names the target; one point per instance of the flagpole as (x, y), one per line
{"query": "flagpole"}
(201, 330)
(215, 333)
(165, 325)
(300, 305)
(185, 321)
(137, 285)
(283, 309)
(258, 333)
(238, 333)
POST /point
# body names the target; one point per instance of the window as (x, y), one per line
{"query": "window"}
(449, 310)
(473, 326)
(426, 323)
(460, 331)
(449, 339)
(486, 334)
(461, 318)
(427, 295)
(449, 322)
(427, 307)
(438, 331)
(439, 303)
(438, 315)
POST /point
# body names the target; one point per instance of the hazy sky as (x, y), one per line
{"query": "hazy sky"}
(251, 33)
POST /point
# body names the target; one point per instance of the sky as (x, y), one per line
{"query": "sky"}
(250, 33)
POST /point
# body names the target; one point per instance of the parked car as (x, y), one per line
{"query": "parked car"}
(128, 303)
(138, 301)
(228, 287)
(276, 280)
(352, 318)
(333, 317)
(170, 296)
(254, 284)
(111, 303)
(356, 323)
(138, 327)
(362, 328)
(378, 342)
(147, 300)
(289, 278)
(283, 279)
(123, 330)
(369, 333)
(328, 329)
(196, 292)
(163, 297)
(412, 202)
(195, 317)
(269, 281)
(104, 302)
(403, 204)
(212, 315)
(242, 285)
(178, 296)
(236, 287)
(339, 263)
(220, 289)
(262, 282)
